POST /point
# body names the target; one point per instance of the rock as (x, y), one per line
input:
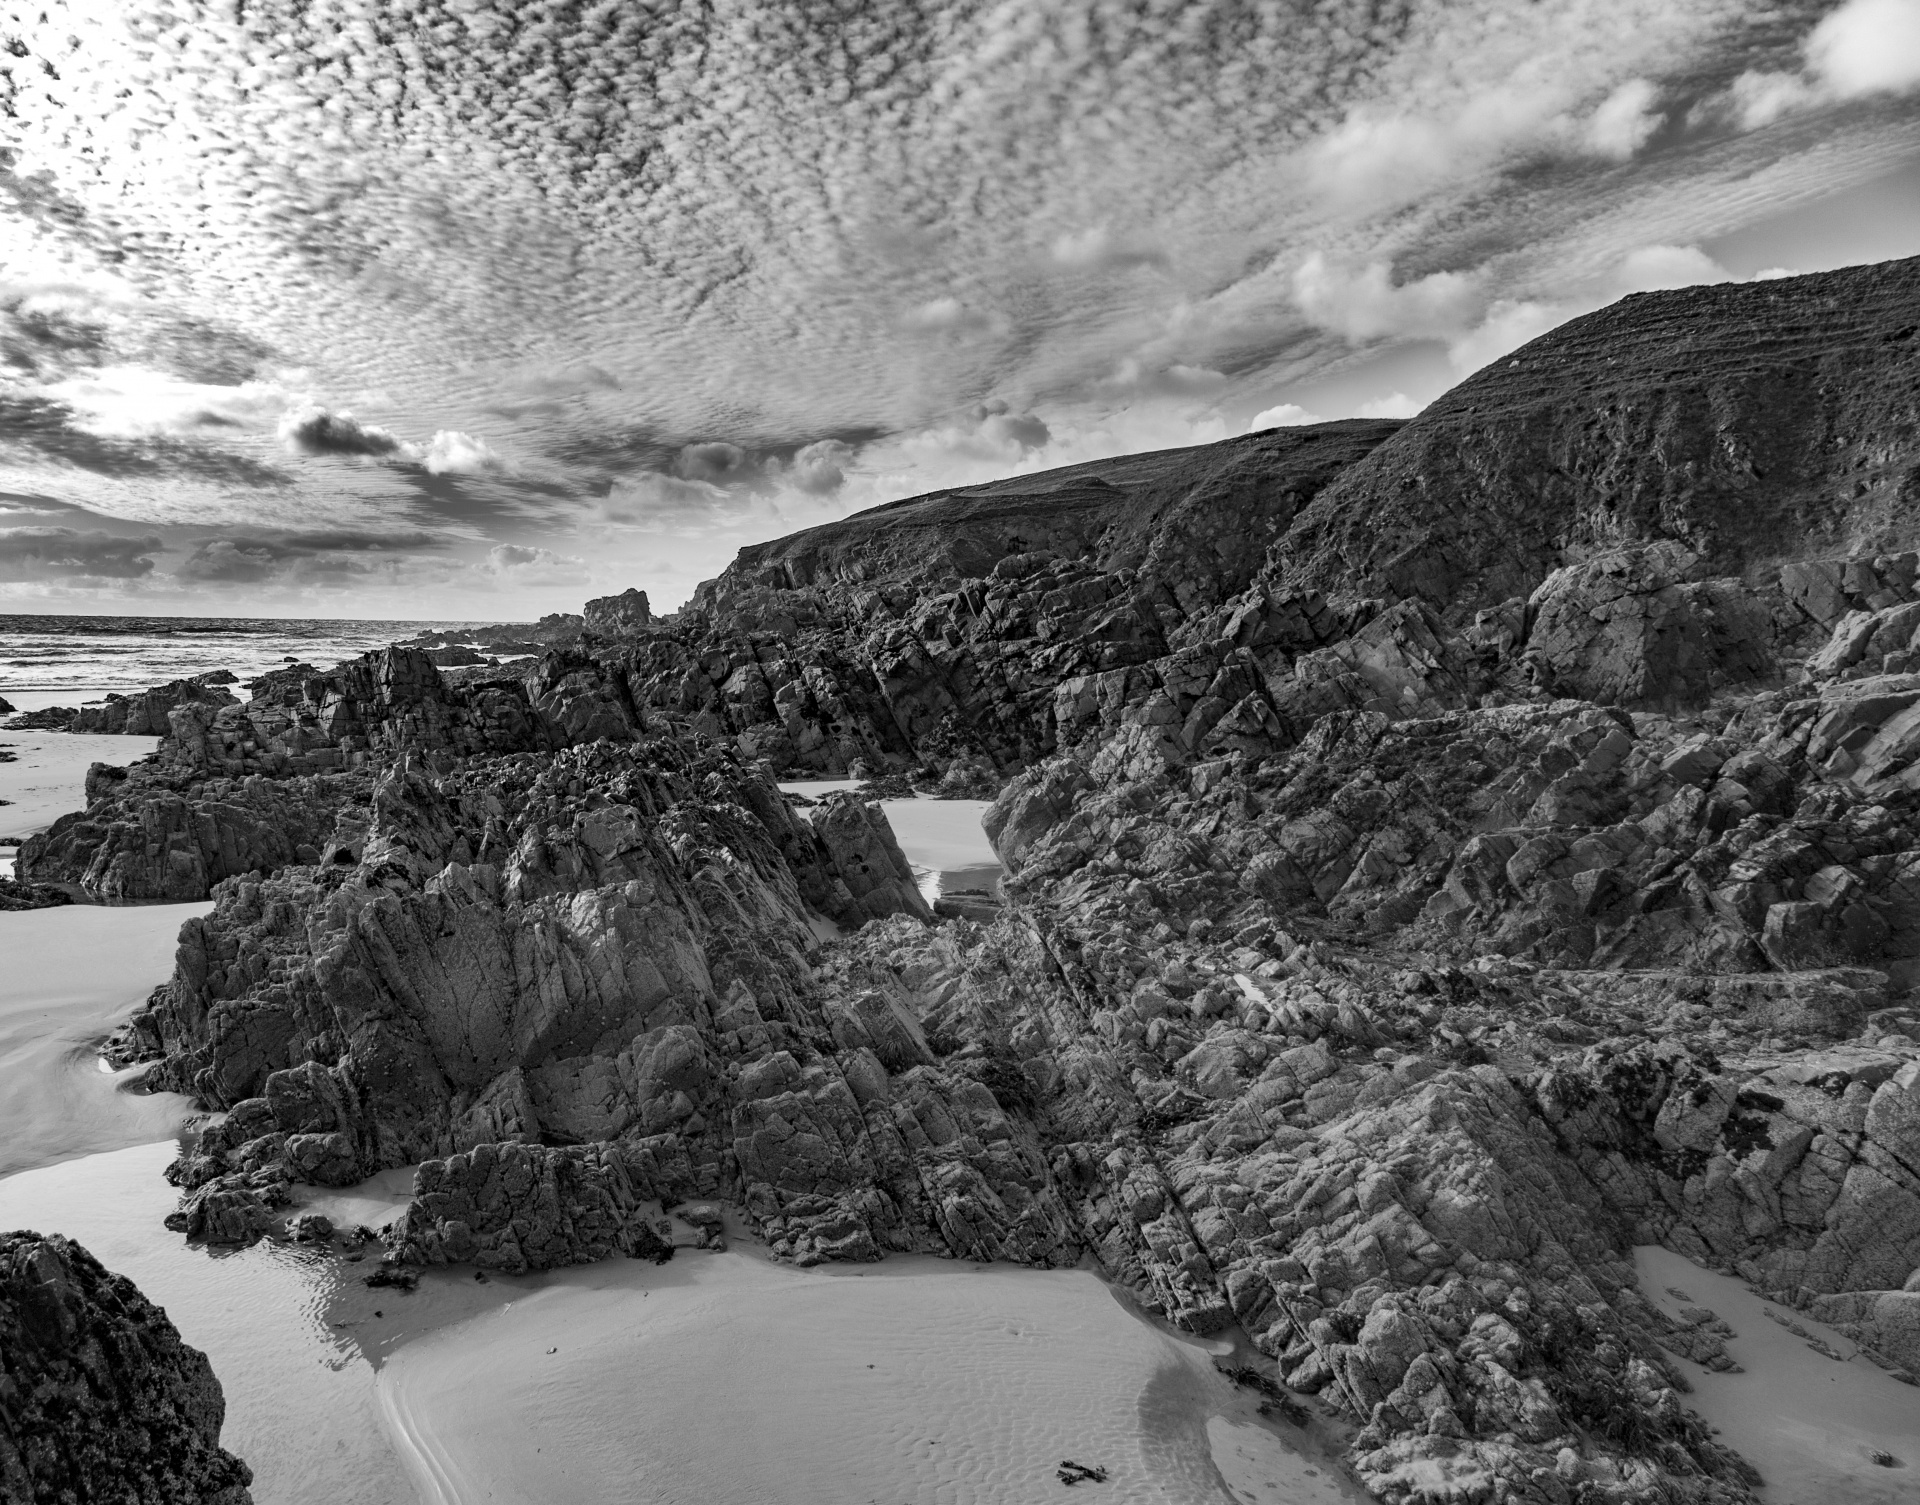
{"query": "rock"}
(521, 1207)
(1438, 859)
(1635, 628)
(99, 1397)
(146, 714)
(16, 895)
(613, 616)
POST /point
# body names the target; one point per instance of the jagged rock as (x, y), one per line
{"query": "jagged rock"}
(613, 616)
(1634, 628)
(520, 1207)
(99, 1397)
(1518, 861)
(17, 895)
(146, 714)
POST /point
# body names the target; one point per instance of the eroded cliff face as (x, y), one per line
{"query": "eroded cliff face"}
(1751, 423)
(1382, 956)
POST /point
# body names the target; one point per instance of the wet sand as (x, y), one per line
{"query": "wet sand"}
(67, 977)
(722, 1377)
(48, 776)
(1809, 1423)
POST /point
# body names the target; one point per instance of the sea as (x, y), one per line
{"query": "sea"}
(63, 660)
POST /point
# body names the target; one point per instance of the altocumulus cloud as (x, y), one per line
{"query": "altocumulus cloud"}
(791, 256)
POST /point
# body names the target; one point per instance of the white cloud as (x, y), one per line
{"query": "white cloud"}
(1862, 49)
(1624, 120)
(1367, 304)
(523, 565)
(1286, 415)
(133, 402)
(1652, 268)
(1867, 47)
(1507, 326)
(821, 467)
(1393, 405)
(453, 453)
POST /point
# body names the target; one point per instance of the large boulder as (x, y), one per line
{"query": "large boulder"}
(613, 616)
(99, 1398)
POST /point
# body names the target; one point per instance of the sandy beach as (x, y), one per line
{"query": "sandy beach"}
(1809, 1423)
(725, 1378)
(48, 773)
(717, 1377)
(67, 976)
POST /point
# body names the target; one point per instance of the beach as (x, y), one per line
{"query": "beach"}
(47, 773)
(718, 1377)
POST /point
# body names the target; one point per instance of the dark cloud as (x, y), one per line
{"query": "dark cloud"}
(315, 431)
(301, 557)
(718, 463)
(34, 554)
(38, 427)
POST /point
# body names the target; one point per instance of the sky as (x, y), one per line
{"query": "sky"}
(458, 309)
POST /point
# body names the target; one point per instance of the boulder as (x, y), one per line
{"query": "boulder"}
(99, 1397)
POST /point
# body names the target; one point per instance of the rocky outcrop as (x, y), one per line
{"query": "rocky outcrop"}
(614, 616)
(99, 1398)
(15, 895)
(146, 714)
(140, 840)
(520, 1207)
(1517, 863)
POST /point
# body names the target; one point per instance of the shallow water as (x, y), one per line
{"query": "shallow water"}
(67, 977)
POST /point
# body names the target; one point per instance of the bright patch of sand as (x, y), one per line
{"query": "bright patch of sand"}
(942, 839)
(302, 1407)
(67, 977)
(49, 775)
(721, 1377)
(1810, 1424)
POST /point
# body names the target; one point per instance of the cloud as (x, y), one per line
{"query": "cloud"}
(1624, 120)
(303, 558)
(1393, 405)
(315, 431)
(1379, 158)
(28, 554)
(1862, 49)
(821, 467)
(1867, 47)
(134, 402)
(947, 315)
(522, 565)
(452, 453)
(1286, 415)
(1366, 304)
(1099, 250)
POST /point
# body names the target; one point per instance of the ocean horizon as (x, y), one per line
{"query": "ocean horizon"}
(92, 655)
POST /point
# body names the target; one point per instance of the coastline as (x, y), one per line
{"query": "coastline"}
(336, 1390)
